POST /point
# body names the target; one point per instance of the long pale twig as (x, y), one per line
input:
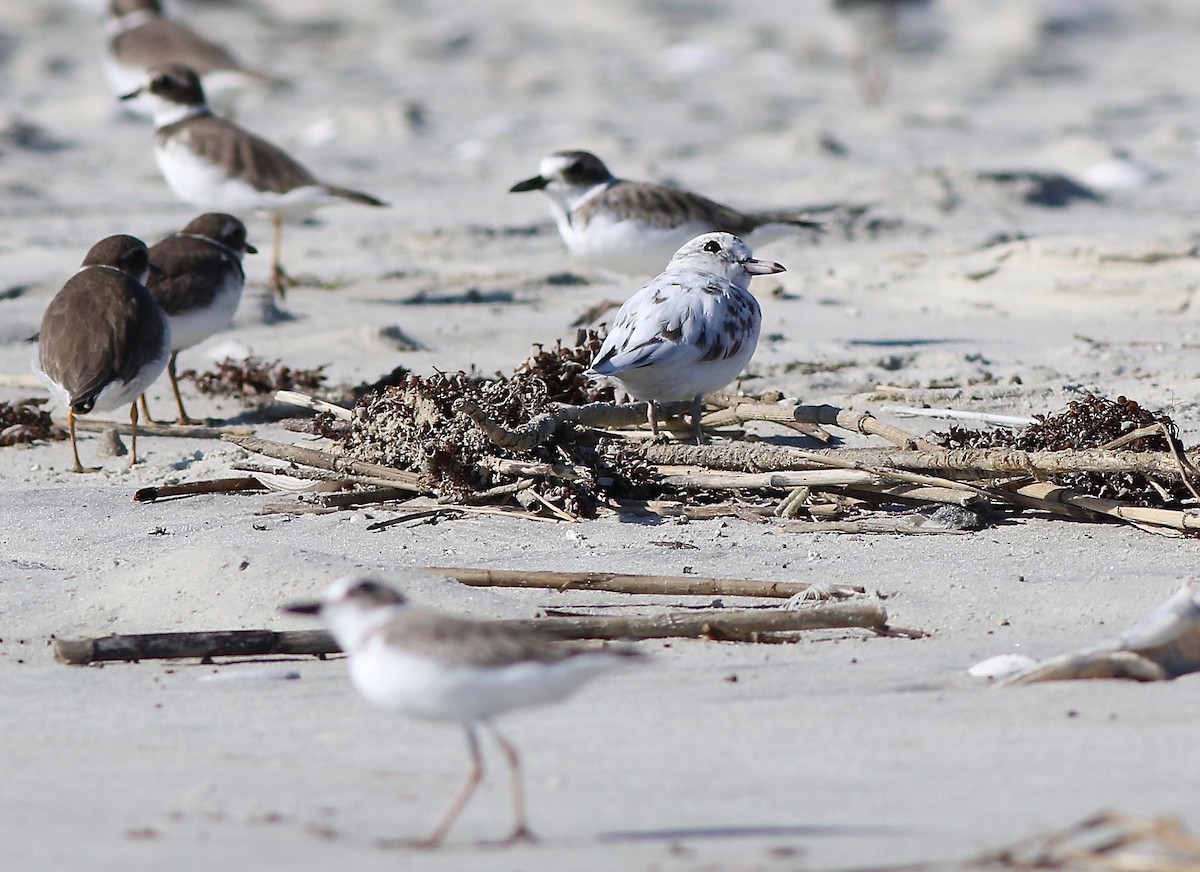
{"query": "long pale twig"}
(615, 582)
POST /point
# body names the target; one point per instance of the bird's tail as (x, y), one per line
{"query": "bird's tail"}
(795, 219)
(354, 196)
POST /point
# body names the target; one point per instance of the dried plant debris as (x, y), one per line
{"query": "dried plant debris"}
(561, 369)
(1091, 422)
(414, 426)
(26, 421)
(1109, 841)
(254, 379)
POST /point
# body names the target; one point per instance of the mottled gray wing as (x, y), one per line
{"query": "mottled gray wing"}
(466, 642)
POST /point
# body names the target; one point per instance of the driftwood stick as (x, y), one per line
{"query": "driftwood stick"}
(191, 488)
(727, 415)
(906, 524)
(226, 643)
(917, 493)
(533, 434)
(614, 582)
(977, 463)
(309, 473)
(817, 478)
(363, 497)
(304, 401)
(533, 468)
(725, 624)
(326, 460)
(1139, 515)
(604, 416)
(675, 509)
(148, 429)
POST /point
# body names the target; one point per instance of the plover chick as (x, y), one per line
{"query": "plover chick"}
(440, 667)
(212, 163)
(635, 227)
(103, 339)
(689, 332)
(197, 278)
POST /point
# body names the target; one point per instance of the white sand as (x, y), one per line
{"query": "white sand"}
(147, 767)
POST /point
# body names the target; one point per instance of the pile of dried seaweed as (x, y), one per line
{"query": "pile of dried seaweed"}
(1092, 422)
(254, 379)
(414, 426)
(26, 421)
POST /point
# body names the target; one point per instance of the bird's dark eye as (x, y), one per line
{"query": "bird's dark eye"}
(160, 82)
(713, 246)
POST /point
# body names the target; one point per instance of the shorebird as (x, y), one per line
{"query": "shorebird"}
(445, 668)
(141, 38)
(689, 332)
(635, 227)
(214, 164)
(103, 339)
(197, 278)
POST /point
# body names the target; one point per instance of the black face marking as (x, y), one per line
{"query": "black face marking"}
(713, 246)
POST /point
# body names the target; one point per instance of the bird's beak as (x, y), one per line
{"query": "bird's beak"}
(534, 184)
(762, 267)
(131, 95)
(249, 249)
(303, 608)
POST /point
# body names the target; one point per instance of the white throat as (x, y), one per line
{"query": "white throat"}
(166, 113)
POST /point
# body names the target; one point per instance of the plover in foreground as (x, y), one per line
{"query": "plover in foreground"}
(141, 38)
(440, 667)
(103, 339)
(635, 227)
(197, 278)
(690, 331)
(214, 164)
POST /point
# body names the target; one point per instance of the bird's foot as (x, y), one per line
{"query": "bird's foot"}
(520, 834)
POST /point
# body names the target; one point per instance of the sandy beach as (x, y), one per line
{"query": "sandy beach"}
(970, 282)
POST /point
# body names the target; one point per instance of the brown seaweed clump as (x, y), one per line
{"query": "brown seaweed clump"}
(562, 368)
(414, 426)
(253, 379)
(1091, 422)
(26, 421)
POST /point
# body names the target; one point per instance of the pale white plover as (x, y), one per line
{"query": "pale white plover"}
(103, 339)
(440, 667)
(689, 332)
(141, 38)
(214, 164)
(635, 227)
(197, 278)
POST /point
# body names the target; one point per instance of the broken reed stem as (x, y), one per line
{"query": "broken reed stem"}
(325, 460)
(1186, 521)
(906, 525)
(1014, 421)
(191, 488)
(964, 463)
(726, 624)
(675, 509)
(148, 429)
(615, 582)
(309, 473)
(817, 478)
(304, 401)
